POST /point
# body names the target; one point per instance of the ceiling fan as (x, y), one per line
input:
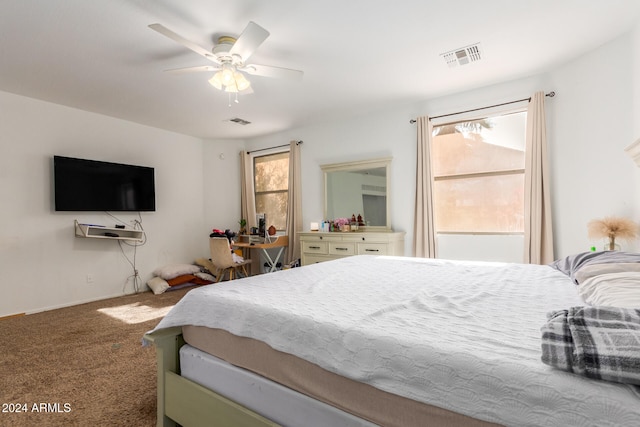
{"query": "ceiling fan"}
(230, 56)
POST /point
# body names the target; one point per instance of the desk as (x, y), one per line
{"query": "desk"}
(280, 242)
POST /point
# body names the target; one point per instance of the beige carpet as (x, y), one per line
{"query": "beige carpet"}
(82, 365)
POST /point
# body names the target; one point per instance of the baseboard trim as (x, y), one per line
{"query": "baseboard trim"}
(70, 304)
(84, 301)
(11, 316)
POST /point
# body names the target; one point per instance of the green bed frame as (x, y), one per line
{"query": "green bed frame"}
(182, 402)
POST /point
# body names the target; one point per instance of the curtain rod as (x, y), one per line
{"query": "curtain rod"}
(550, 95)
(271, 148)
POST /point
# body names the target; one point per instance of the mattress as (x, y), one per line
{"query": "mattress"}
(460, 336)
(271, 400)
(325, 388)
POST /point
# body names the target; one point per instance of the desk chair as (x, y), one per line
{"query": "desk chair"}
(223, 260)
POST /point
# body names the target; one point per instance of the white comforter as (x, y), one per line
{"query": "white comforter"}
(461, 336)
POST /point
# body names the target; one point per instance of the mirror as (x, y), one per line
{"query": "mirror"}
(358, 188)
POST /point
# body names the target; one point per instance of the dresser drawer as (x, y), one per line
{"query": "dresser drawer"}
(373, 248)
(315, 247)
(308, 259)
(320, 247)
(342, 248)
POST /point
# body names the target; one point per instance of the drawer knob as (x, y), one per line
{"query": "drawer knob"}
(342, 249)
(372, 250)
(314, 247)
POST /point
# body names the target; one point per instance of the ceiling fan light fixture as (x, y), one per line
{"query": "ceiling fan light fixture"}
(241, 81)
(237, 83)
(227, 74)
(216, 80)
(229, 79)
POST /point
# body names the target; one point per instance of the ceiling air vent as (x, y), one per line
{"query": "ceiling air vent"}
(240, 121)
(463, 56)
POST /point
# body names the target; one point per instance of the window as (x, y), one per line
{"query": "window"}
(478, 169)
(271, 181)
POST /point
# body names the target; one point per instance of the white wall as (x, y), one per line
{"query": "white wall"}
(43, 265)
(589, 123)
(635, 90)
(383, 134)
(479, 247)
(222, 184)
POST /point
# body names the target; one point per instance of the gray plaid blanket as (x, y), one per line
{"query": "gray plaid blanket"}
(597, 342)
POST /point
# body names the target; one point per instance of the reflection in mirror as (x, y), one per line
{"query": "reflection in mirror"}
(358, 188)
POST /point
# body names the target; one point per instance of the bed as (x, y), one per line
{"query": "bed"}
(373, 340)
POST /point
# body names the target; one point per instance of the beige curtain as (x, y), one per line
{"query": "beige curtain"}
(294, 204)
(424, 239)
(247, 197)
(538, 231)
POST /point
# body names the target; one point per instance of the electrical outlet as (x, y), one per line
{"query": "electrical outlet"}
(90, 278)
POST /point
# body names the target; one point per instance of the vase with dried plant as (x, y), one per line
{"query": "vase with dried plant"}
(612, 228)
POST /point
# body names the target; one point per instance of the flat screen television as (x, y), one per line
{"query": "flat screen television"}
(91, 185)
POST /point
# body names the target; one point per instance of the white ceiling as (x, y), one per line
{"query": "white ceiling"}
(357, 55)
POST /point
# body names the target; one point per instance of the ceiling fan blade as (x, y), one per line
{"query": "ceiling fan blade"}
(252, 36)
(275, 72)
(184, 42)
(193, 69)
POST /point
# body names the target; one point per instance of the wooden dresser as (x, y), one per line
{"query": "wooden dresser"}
(319, 247)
